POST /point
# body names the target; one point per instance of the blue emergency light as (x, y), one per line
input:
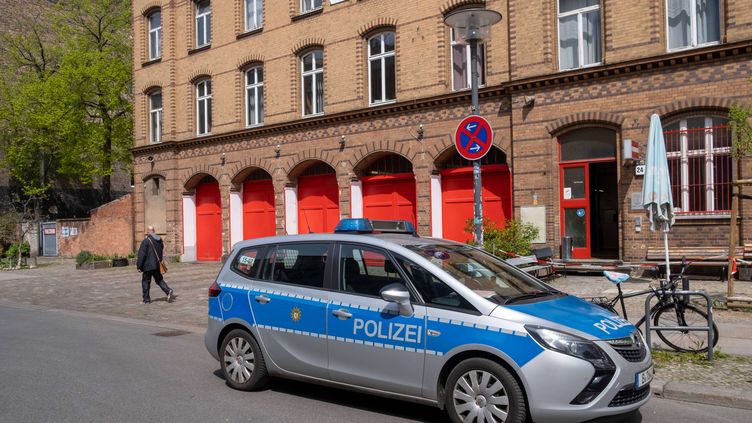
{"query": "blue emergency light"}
(354, 226)
(367, 226)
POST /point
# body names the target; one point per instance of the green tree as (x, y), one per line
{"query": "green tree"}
(514, 239)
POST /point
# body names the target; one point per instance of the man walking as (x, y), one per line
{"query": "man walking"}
(150, 254)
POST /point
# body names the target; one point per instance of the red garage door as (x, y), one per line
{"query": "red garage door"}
(259, 214)
(318, 203)
(457, 198)
(389, 197)
(208, 222)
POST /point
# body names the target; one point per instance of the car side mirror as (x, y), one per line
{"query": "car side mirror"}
(397, 293)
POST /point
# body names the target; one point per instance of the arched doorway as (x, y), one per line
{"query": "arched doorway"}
(259, 212)
(457, 192)
(318, 199)
(589, 192)
(389, 188)
(208, 220)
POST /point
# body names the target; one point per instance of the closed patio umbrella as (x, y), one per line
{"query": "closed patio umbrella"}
(656, 186)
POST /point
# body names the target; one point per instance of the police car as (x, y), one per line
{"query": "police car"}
(375, 308)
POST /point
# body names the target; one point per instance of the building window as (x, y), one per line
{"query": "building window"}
(579, 33)
(698, 150)
(381, 73)
(155, 117)
(254, 96)
(155, 35)
(254, 14)
(203, 23)
(461, 64)
(312, 76)
(693, 23)
(203, 107)
(309, 5)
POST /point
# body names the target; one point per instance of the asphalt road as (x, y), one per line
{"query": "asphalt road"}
(70, 367)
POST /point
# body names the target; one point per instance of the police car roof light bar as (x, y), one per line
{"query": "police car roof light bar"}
(354, 226)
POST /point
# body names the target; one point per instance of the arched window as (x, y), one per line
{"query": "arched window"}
(698, 150)
(254, 96)
(155, 34)
(381, 71)
(203, 23)
(254, 17)
(203, 107)
(312, 81)
(155, 117)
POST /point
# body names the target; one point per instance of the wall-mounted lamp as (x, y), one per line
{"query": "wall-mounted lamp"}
(150, 159)
(277, 149)
(342, 142)
(528, 101)
(222, 159)
(419, 133)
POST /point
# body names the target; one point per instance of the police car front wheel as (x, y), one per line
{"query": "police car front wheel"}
(243, 364)
(480, 390)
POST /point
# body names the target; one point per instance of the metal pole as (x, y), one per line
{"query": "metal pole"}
(477, 183)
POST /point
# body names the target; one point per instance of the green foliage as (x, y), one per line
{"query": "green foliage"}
(515, 238)
(132, 255)
(739, 119)
(14, 249)
(84, 257)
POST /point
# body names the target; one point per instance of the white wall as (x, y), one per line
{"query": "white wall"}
(356, 198)
(437, 218)
(189, 228)
(291, 210)
(236, 217)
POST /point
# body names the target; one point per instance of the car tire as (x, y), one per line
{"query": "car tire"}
(486, 389)
(243, 364)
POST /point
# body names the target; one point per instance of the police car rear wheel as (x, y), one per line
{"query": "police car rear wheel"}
(242, 362)
(480, 390)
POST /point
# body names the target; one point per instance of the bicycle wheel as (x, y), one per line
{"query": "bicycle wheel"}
(684, 341)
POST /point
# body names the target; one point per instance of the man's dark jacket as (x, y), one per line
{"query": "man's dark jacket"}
(148, 259)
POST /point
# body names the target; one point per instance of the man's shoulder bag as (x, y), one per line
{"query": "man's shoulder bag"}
(162, 265)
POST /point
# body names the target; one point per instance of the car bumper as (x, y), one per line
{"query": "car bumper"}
(211, 337)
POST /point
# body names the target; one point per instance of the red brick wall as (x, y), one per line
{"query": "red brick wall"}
(108, 231)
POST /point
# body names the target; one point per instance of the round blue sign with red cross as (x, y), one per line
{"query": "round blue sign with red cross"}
(473, 137)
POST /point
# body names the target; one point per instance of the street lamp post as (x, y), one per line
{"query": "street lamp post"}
(471, 26)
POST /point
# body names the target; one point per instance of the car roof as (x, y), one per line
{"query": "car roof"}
(377, 239)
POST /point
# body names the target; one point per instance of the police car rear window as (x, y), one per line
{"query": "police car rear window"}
(248, 263)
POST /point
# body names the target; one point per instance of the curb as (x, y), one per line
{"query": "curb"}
(690, 392)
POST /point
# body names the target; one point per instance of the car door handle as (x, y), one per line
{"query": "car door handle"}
(262, 299)
(342, 314)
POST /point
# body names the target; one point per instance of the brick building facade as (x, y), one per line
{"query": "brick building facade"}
(237, 136)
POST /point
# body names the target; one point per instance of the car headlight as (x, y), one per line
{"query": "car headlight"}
(571, 345)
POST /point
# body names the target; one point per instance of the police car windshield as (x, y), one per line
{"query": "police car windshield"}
(488, 276)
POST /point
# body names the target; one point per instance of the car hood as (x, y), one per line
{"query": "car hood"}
(578, 314)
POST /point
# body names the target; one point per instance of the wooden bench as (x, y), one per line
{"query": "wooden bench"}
(531, 265)
(704, 261)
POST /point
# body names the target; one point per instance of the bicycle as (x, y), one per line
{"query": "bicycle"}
(672, 309)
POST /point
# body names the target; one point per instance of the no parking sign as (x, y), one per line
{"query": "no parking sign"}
(473, 137)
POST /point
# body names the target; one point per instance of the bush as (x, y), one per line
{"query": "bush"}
(84, 257)
(515, 238)
(13, 249)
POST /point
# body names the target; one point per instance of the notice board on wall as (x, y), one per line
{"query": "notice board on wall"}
(535, 215)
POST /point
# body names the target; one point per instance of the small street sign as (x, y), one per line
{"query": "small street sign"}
(473, 137)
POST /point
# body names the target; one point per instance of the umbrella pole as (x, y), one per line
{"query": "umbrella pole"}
(665, 248)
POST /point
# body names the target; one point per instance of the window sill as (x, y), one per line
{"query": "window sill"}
(257, 125)
(702, 219)
(686, 48)
(459, 90)
(151, 62)
(313, 115)
(591, 65)
(204, 135)
(249, 33)
(199, 49)
(382, 103)
(308, 14)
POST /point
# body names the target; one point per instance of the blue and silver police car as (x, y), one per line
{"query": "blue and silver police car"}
(421, 319)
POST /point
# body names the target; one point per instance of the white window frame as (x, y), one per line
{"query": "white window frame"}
(580, 40)
(203, 105)
(258, 14)
(155, 134)
(309, 6)
(692, 28)
(255, 89)
(157, 34)
(709, 152)
(382, 57)
(206, 17)
(316, 73)
(481, 78)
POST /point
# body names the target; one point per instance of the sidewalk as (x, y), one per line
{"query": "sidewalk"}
(116, 293)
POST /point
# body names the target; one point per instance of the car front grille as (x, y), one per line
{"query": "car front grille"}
(631, 348)
(634, 355)
(629, 396)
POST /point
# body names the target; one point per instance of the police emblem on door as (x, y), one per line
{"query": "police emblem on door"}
(295, 314)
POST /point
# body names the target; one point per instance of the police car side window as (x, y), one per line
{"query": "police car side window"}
(432, 289)
(299, 264)
(365, 270)
(248, 263)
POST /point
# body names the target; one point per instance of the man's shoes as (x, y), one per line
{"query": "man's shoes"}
(146, 302)
(169, 296)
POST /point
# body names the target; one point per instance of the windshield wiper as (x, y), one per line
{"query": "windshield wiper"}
(528, 296)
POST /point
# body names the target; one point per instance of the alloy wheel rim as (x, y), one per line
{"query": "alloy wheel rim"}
(480, 397)
(239, 360)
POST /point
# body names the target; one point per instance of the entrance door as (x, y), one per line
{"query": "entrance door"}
(575, 213)
(389, 197)
(318, 203)
(259, 214)
(457, 198)
(49, 239)
(208, 222)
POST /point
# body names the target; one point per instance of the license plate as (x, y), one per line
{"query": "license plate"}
(644, 377)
